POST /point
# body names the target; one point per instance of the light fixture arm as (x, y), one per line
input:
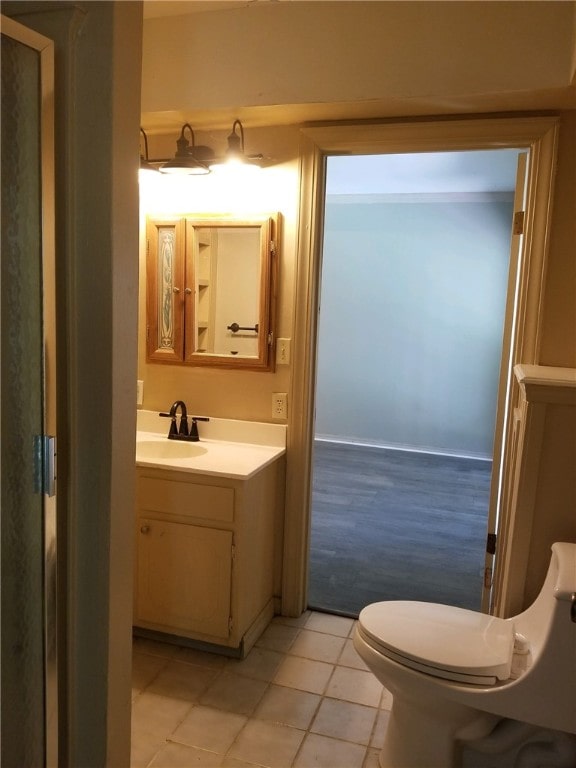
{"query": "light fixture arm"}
(235, 154)
(182, 143)
(235, 141)
(189, 158)
(143, 132)
(183, 138)
(145, 162)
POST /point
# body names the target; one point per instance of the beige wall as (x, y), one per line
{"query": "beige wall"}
(280, 66)
(558, 343)
(225, 393)
(293, 62)
(248, 395)
(375, 58)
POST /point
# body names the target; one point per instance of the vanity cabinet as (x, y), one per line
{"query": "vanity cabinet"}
(194, 591)
(205, 555)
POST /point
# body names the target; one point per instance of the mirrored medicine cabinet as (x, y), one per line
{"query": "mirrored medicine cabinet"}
(211, 286)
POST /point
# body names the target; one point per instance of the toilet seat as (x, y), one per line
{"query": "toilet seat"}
(440, 640)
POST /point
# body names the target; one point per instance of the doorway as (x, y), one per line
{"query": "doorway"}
(415, 262)
(536, 135)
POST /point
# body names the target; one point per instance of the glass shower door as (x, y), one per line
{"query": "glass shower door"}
(28, 521)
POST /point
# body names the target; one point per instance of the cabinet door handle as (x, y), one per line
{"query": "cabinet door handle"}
(188, 291)
(175, 290)
(145, 529)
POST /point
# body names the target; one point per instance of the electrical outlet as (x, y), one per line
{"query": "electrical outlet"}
(282, 351)
(139, 392)
(279, 405)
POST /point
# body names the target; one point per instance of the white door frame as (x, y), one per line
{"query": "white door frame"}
(538, 135)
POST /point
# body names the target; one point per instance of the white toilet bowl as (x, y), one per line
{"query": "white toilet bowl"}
(454, 674)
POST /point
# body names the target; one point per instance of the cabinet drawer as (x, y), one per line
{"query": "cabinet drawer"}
(209, 502)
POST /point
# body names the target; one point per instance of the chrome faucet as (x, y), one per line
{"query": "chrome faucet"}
(181, 432)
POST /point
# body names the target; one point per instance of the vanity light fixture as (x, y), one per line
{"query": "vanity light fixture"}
(189, 158)
(145, 164)
(235, 154)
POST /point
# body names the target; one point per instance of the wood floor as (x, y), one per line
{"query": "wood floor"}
(396, 525)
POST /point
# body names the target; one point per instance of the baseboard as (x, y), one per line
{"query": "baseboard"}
(257, 627)
(401, 447)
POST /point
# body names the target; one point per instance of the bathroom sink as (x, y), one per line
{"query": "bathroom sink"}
(168, 449)
(233, 449)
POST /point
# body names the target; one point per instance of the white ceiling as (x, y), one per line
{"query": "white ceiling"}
(435, 172)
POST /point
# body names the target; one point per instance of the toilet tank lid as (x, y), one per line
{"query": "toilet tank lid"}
(442, 636)
(565, 554)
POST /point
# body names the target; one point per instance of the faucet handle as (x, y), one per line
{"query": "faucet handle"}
(173, 431)
(194, 436)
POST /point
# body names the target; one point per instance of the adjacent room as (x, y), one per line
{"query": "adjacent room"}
(413, 294)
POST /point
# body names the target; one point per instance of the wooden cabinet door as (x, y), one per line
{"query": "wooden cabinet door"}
(184, 577)
(165, 290)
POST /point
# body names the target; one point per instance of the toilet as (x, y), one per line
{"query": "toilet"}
(456, 674)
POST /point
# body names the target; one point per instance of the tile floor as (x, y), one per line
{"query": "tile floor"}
(302, 698)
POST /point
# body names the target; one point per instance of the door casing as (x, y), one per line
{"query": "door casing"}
(538, 135)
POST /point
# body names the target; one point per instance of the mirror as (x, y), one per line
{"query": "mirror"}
(211, 290)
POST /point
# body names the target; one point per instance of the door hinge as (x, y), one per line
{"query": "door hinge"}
(147, 246)
(230, 625)
(233, 552)
(487, 578)
(518, 223)
(270, 338)
(491, 544)
(273, 247)
(45, 464)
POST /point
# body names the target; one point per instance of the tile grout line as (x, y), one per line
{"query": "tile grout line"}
(141, 691)
(193, 704)
(251, 716)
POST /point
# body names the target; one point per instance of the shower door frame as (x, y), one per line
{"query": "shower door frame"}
(45, 465)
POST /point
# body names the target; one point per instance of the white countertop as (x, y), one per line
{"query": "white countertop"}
(234, 449)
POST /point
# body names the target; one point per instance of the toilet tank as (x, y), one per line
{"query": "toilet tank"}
(552, 613)
(549, 682)
(564, 563)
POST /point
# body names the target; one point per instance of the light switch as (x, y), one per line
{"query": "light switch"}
(282, 351)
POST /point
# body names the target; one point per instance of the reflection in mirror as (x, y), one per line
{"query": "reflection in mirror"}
(211, 291)
(227, 286)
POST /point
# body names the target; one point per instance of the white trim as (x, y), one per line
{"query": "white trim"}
(421, 197)
(401, 447)
(545, 376)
